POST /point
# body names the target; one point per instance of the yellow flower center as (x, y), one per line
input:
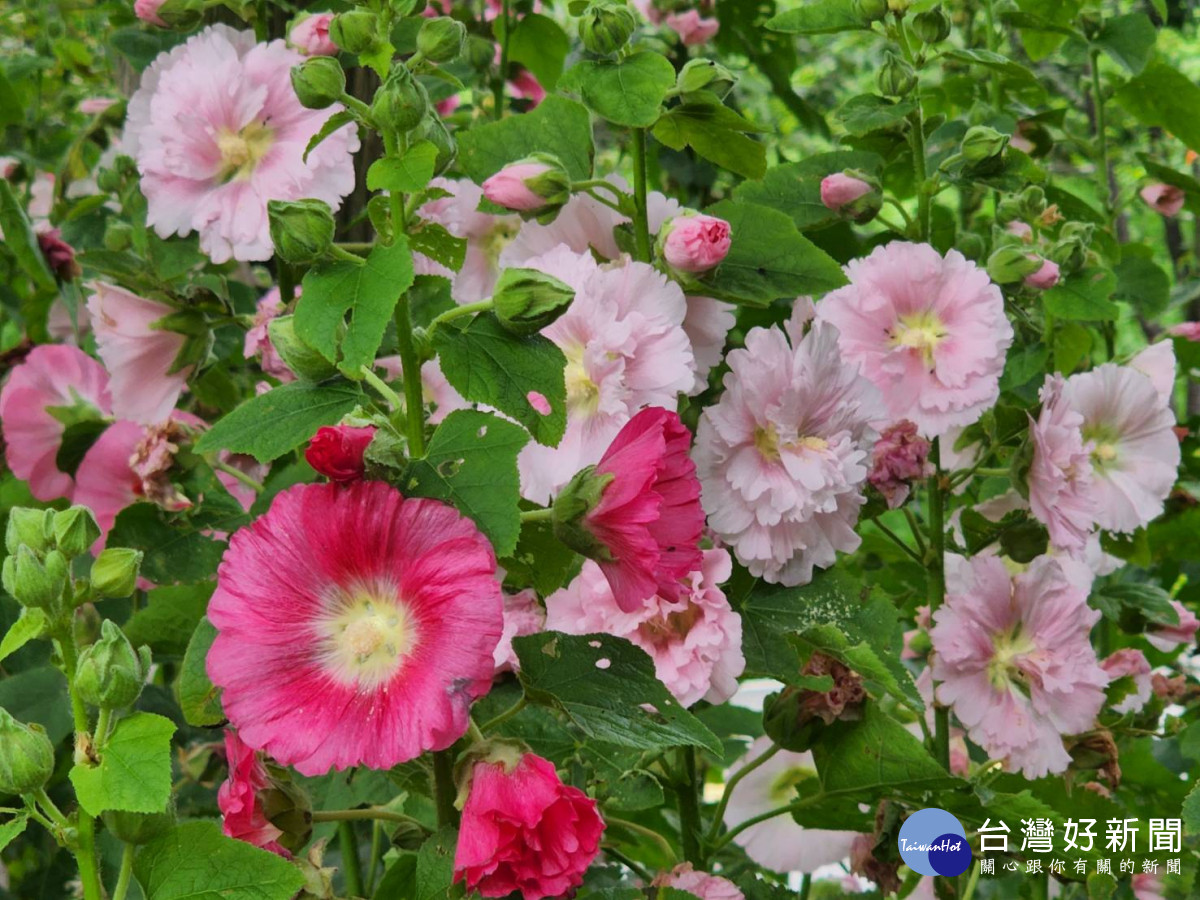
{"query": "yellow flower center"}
(497, 239)
(766, 441)
(583, 394)
(921, 332)
(241, 150)
(1007, 648)
(1105, 453)
(783, 788)
(366, 636)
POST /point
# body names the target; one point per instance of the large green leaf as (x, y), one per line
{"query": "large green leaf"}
(867, 112)
(134, 773)
(170, 616)
(1129, 40)
(38, 695)
(1163, 97)
(628, 91)
(199, 698)
(558, 126)
(539, 44)
(716, 133)
(20, 239)
(175, 549)
(1084, 296)
(29, 626)
(821, 17)
(795, 188)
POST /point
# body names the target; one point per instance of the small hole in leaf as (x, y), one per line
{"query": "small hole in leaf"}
(603, 663)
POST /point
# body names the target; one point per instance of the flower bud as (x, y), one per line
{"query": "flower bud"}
(33, 528)
(59, 255)
(1165, 199)
(693, 243)
(117, 235)
(139, 828)
(853, 195)
(298, 356)
(536, 186)
(872, 10)
(75, 530)
(401, 103)
(26, 756)
(442, 39)
(481, 53)
(705, 75)
(580, 495)
(301, 230)
(795, 716)
(115, 572)
(355, 31)
(1008, 210)
(606, 26)
(182, 15)
(1032, 202)
(1011, 264)
(1045, 277)
(110, 672)
(287, 806)
(1070, 251)
(36, 584)
(318, 82)
(526, 300)
(933, 25)
(970, 245)
(310, 35)
(896, 77)
(982, 145)
(338, 451)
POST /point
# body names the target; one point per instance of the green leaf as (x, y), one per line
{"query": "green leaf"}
(12, 829)
(196, 862)
(821, 17)
(1163, 97)
(557, 126)
(368, 292)
(20, 239)
(332, 124)
(471, 462)
(29, 626)
(11, 111)
(1135, 605)
(769, 258)
(174, 549)
(1129, 40)
(860, 657)
(868, 112)
(169, 618)
(539, 44)
(199, 698)
(435, 867)
(618, 778)
(716, 133)
(38, 695)
(628, 91)
(272, 424)
(134, 773)
(406, 174)
(795, 188)
(141, 45)
(1084, 297)
(996, 62)
(540, 559)
(602, 684)
(488, 364)
(1023, 365)
(1191, 811)
(434, 241)
(1141, 281)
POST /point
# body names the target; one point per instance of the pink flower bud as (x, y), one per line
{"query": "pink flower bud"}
(900, 457)
(93, 106)
(147, 11)
(692, 28)
(60, 256)
(1044, 278)
(1188, 330)
(840, 189)
(529, 186)
(695, 243)
(337, 451)
(1166, 199)
(1022, 230)
(311, 36)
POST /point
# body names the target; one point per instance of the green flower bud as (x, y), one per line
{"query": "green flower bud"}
(115, 572)
(287, 807)
(705, 75)
(1070, 251)
(572, 504)
(982, 145)
(933, 25)
(301, 230)
(896, 77)
(481, 53)
(1010, 264)
(784, 723)
(606, 26)
(872, 10)
(1008, 210)
(402, 103)
(970, 245)
(182, 15)
(1032, 202)
(33, 528)
(408, 835)
(75, 530)
(37, 584)
(26, 756)
(117, 235)
(442, 39)
(111, 673)
(526, 300)
(355, 31)
(139, 828)
(318, 82)
(295, 353)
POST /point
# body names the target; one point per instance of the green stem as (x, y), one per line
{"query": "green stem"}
(351, 867)
(937, 586)
(85, 853)
(1101, 133)
(52, 811)
(238, 475)
(992, 45)
(898, 541)
(126, 873)
(373, 858)
(370, 814)
(103, 721)
(70, 657)
(970, 889)
(445, 790)
(641, 222)
(413, 394)
(382, 388)
(737, 776)
(805, 885)
(915, 527)
(459, 312)
(356, 106)
(502, 74)
(688, 798)
(662, 842)
(85, 856)
(504, 716)
(628, 863)
(916, 121)
(537, 515)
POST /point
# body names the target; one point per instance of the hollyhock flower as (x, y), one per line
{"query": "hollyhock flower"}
(694, 640)
(257, 343)
(94, 106)
(1134, 452)
(336, 451)
(1189, 331)
(59, 255)
(311, 35)
(524, 830)
(524, 85)
(1044, 278)
(784, 455)
(440, 397)
(626, 349)
(154, 457)
(839, 190)
(695, 242)
(1165, 199)
(533, 185)
(523, 615)
(54, 386)
(779, 843)
(63, 327)
(240, 801)
(1013, 660)
(1060, 474)
(692, 28)
(899, 458)
(699, 884)
(217, 131)
(449, 105)
(486, 236)
(707, 325)
(1129, 663)
(355, 626)
(1169, 637)
(929, 331)
(147, 11)
(104, 482)
(1157, 362)
(1147, 886)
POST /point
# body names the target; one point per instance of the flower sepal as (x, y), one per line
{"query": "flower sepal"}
(579, 497)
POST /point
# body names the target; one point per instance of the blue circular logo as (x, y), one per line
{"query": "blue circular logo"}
(933, 842)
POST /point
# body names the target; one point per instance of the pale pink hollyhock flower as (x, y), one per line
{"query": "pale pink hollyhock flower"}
(1146, 886)
(929, 331)
(1013, 659)
(217, 131)
(1166, 199)
(698, 884)
(707, 324)
(524, 830)
(960, 756)
(1169, 637)
(62, 328)
(355, 626)
(486, 236)
(257, 343)
(1060, 473)
(1157, 362)
(1189, 331)
(93, 106)
(240, 801)
(783, 456)
(138, 355)
(510, 186)
(440, 397)
(523, 615)
(779, 843)
(912, 648)
(626, 350)
(694, 640)
(311, 35)
(1129, 663)
(695, 243)
(1044, 278)
(692, 28)
(1134, 450)
(147, 11)
(899, 458)
(1022, 230)
(39, 394)
(840, 189)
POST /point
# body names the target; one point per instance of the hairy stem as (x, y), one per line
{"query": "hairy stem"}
(444, 787)
(687, 795)
(641, 222)
(937, 586)
(351, 868)
(126, 873)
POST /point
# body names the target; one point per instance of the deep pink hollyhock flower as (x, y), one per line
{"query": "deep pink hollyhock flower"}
(242, 815)
(1130, 663)
(648, 519)
(336, 451)
(699, 884)
(147, 11)
(524, 830)
(105, 482)
(1044, 278)
(60, 256)
(1169, 637)
(840, 189)
(899, 458)
(355, 626)
(257, 342)
(523, 615)
(1166, 199)
(929, 331)
(509, 187)
(1013, 659)
(1187, 330)
(449, 105)
(695, 243)
(138, 355)
(692, 28)
(1060, 474)
(311, 35)
(217, 131)
(54, 383)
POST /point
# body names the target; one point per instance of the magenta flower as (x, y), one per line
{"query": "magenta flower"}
(147, 11)
(899, 458)
(59, 255)
(695, 243)
(240, 801)
(1060, 473)
(337, 451)
(929, 332)
(217, 131)
(311, 35)
(355, 626)
(1165, 199)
